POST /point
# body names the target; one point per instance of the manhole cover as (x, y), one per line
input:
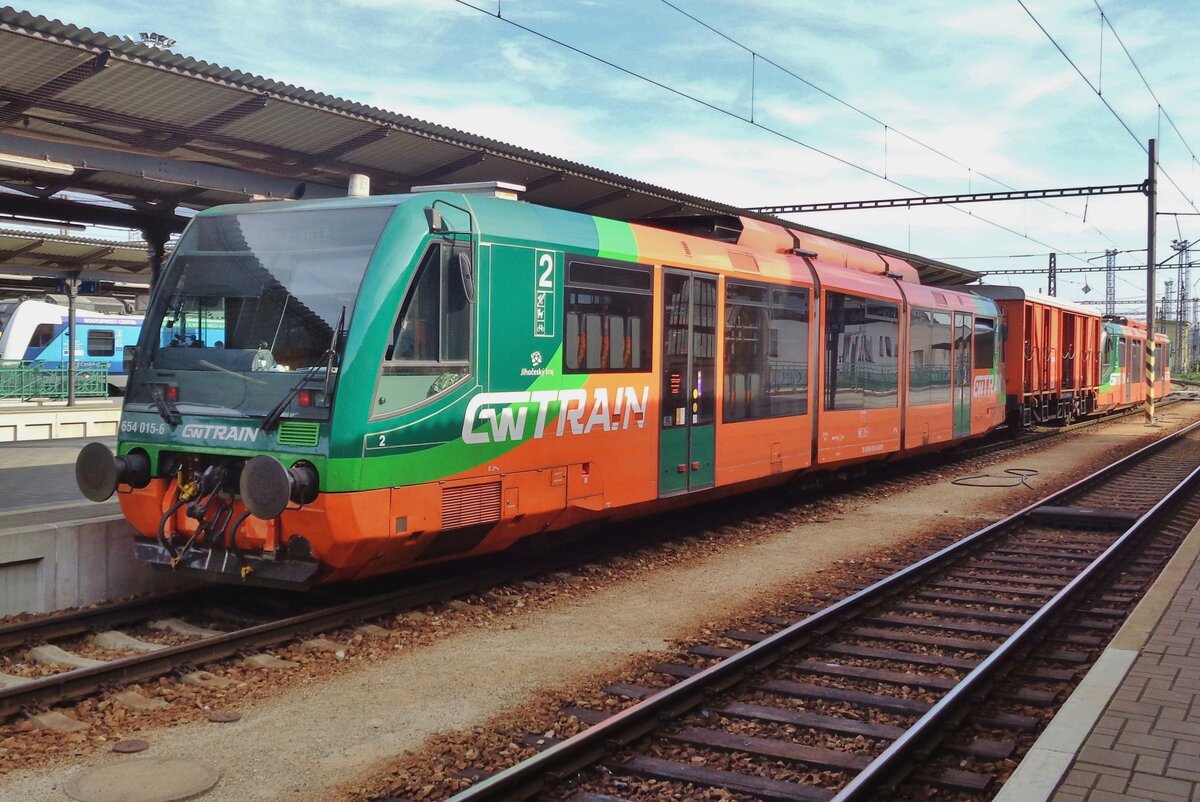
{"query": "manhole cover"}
(130, 745)
(146, 779)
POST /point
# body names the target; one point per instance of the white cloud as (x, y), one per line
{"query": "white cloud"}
(978, 82)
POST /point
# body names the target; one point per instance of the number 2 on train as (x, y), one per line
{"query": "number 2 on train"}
(546, 271)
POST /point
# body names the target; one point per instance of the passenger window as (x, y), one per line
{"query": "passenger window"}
(429, 350)
(766, 352)
(608, 318)
(101, 342)
(985, 343)
(859, 376)
(930, 334)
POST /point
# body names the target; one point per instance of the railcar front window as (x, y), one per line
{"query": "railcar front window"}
(247, 301)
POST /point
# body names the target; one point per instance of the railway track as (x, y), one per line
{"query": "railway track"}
(928, 678)
(78, 653)
(174, 634)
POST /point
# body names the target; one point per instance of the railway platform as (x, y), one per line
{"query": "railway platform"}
(57, 549)
(1131, 730)
(22, 421)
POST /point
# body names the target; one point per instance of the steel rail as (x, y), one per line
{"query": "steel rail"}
(80, 682)
(79, 621)
(896, 760)
(563, 759)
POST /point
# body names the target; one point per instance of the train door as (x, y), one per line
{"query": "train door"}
(1066, 349)
(1049, 354)
(687, 439)
(962, 375)
(1123, 356)
(1031, 351)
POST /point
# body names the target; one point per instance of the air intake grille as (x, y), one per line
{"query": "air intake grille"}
(474, 504)
(298, 433)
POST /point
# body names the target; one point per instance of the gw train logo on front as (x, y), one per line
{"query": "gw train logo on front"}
(206, 431)
(508, 416)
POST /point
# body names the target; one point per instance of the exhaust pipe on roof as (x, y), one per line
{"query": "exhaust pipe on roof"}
(359, 187)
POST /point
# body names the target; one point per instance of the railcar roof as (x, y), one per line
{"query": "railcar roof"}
(1004, 293)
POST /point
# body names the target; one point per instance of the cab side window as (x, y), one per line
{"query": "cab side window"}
(985, 343)
(429, 347)
(43, 335)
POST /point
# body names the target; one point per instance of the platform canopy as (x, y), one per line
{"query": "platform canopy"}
(157, 133)
(29, 260)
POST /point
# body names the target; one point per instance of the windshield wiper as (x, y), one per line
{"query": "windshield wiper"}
(271, 419)
(165, 410)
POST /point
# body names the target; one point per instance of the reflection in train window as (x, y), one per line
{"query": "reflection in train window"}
(766, 352)
(858, 373)
(929, 339)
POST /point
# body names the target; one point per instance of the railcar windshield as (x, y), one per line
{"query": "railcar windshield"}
(250, 307)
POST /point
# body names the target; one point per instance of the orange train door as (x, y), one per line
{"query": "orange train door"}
(1066, 350)
(687, 440)
(1031, 351)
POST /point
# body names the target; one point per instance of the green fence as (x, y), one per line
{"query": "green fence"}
(28, 380)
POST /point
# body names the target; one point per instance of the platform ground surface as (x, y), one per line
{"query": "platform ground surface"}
(39, 473)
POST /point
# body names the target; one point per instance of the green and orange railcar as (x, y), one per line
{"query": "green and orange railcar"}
(410, 379)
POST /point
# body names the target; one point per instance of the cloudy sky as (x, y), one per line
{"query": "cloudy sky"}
(791, 101)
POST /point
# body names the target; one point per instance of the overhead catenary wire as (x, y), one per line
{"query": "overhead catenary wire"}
(742, 118)
(1109, 106)
(887, 128)
(1107, 21)
(1035, 255)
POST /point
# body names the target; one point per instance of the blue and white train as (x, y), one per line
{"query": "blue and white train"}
(36, 330)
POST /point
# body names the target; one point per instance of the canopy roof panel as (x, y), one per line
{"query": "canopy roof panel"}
(160, 131)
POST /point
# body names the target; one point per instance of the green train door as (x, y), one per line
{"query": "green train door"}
(686, 449)
(962, 375)
(1127, 358)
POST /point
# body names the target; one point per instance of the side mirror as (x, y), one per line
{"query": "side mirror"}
(436, 223)
(468, 276)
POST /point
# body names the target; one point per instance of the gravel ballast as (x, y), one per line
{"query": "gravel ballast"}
(325, 736)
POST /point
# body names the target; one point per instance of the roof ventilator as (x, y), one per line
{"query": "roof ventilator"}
(359, 186)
